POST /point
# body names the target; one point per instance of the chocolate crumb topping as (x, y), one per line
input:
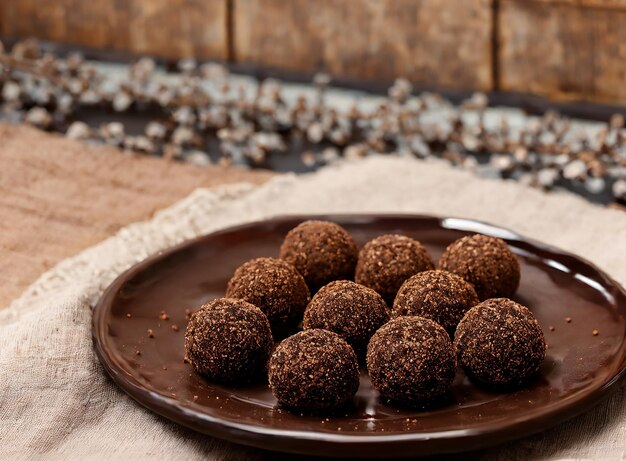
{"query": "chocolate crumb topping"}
(387, 261)
(275, 287)
(228, 341)
(437, 295)
(351, 310)
(485, 262)
(321, 251)
(314, 370)
(411, 361)
(499, 344)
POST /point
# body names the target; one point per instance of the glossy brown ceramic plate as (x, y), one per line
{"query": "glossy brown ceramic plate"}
(580, 368)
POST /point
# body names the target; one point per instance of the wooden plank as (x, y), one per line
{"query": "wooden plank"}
(564, 50)
(58, 197)
(619, 4)
(609, 60)
(98, 24)
(444, 43)
(166, 28)
(178, 28)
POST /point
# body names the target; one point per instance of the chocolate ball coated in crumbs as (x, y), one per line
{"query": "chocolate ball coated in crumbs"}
(351, 310)
(275, 287)
(485, 262)
(387, 261)
(313, 371)
(437, 295)
(321, 251)
(499, 344)
(411, 361)
(228, 341)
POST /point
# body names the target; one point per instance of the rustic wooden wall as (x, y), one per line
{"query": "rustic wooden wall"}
(168, 28)
(434, 42)
(564, 49)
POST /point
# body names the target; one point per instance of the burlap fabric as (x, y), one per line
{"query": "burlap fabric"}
(57, 403)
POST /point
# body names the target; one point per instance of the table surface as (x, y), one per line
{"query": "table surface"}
(61, 196)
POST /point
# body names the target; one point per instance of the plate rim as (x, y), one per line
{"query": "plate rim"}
(262, 437)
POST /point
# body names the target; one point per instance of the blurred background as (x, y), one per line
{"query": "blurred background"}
(200, 81)
(112, 109)
(562, 49)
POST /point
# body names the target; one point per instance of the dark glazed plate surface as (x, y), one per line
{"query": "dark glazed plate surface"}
(580, 368)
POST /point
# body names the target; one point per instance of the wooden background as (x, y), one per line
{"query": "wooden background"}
(60, 196)
(562, 49)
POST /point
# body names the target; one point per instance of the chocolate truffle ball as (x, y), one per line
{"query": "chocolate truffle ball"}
(387, 261)
(321, 251)
(351, 310)
(313, 371)
(228, 341)
(499, 344)
(275, 287)
(485, 262)
(411, 361)
(437, 295)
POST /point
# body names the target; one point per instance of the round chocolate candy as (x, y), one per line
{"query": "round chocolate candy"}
(387, 261)
(499, 344)
(485, 262)
(351, 310)
(411, 361)
(437, 295)
(321, 251)
(314, 371)
(275, 287)
(228, 341)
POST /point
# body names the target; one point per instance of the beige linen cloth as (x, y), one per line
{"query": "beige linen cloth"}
(57, 403)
